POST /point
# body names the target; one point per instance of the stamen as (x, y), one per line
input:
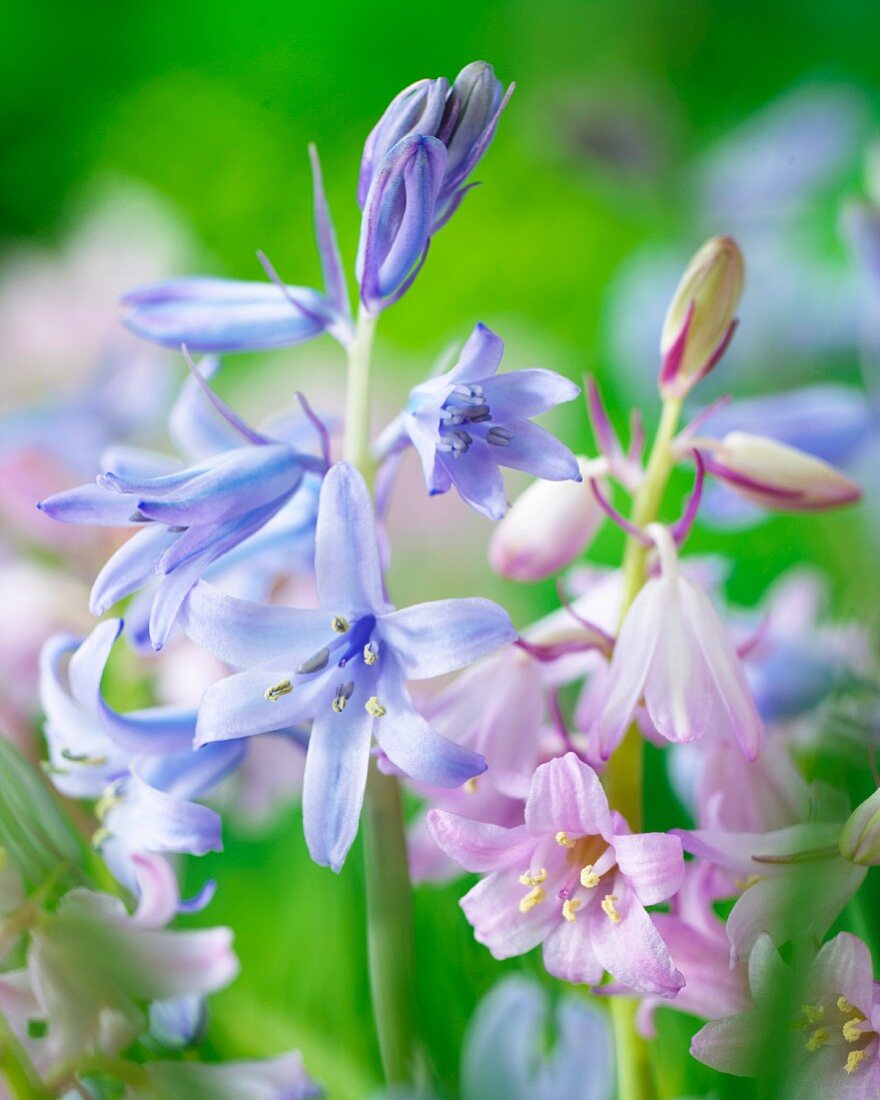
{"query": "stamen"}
(844, 1006)
(340, 624)
(813, 1013)
(854, 1059)
(343, 694)
(471, 785)
(109, 798)
(589, 878)
(499, 437)
(528, 879)
(852, 1030)
(374, 708)
(83, 758)
(371, 653)
(316, 662)
(609, 909)
(99, 836)
(564, 840)
(746, 883)
(532, 898)
(274, 693)
(818, 1039)
(570, 907)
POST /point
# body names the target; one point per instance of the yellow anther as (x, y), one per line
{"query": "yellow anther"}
(339, 703)
(83, 758)
(532, 898)
(564, 840)
(569, 907)
(99, 836)
(340, 624)
(812, 1014)
(818, 1039)
(852, 1030)
(745, 883)
(371, 654)
(374, 708)
(609, 909)
(274, 693)
(109, 798)
(471, 785)
(528, 879)
(589, 878)
(854, 1059)
(844, 1006)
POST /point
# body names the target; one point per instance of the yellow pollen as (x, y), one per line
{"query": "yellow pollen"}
(99, 836)
(374, 708)
(274, 693)
(608, 908)
(569, 907)
(109, 798)
(371, 654)
(818, 1039)
(813, 1013)
(471, 785)
(532, 898)
(528, 879)
(589, 878)
(339, 703)
(744, 883)
(854, 1059)
(564, 840)
(852, 1030)
(844, 1006)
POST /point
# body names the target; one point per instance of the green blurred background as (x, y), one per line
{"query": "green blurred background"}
(210, 106)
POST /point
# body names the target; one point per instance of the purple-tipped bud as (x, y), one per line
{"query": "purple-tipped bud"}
(701, 317)
(776, 476)
(398, 217)
(860, 839)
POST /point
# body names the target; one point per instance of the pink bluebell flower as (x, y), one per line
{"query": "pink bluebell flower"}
(833, 1045)
(344, 666)
(572, 878)
(469, 422)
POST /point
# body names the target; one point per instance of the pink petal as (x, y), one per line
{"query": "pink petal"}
(652, 864)
(477, 846)
(568, 953)
(566, 795)
(492, 907)
(731, 1045)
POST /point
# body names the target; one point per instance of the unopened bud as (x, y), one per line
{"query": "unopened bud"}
(860, 839)
(776, 476)
(549, 525)
(701, 316)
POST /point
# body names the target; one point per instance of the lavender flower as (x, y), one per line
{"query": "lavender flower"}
(573, 878)
(470, 421)
(188, 519)
(345, 666)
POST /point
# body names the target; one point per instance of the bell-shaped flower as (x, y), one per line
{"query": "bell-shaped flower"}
(548, 526)
(467, 423)
(673, 653)
(281, 1078)
(700, 321)
(93, 968)
(573, 878)
(344, 666)
(225, 315)
(505, 1054)
(188, 519)
(463, 118)
(793, 882)
(826, 1045)
(140, 767)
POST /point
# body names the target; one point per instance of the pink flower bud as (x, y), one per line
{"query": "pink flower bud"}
(700, 320)
(776, 476)
(550, 524)
(860, 839)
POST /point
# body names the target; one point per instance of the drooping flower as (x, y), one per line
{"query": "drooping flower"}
(188, 519)
(344, 666)
(832, 1036)
(462, 118)
(226, 315)
(672, 652)
(573, 878)
(467, 423)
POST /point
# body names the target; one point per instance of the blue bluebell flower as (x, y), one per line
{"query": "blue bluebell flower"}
(467, 423)
(344, 666)
(188, 518)
(214, 315)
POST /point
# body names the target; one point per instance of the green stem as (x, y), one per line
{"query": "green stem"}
(390, 934)
(624, 777)
(16, 1070)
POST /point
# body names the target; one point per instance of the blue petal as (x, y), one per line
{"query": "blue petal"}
(91, 504)
(477, 478)
(520, 394)
(331, 262)
(179, 1022)
(154, 730)
(334, 781)
(431, 639)
(237, 706)
(189, 772)
(129, 569)
(536, 451)
(136, 462)
(412, 745)
(480, 357)
(216, 315)
(87, 665)
(252, 635)
(194, 425)
(347, 564)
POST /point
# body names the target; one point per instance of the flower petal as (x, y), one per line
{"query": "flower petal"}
(492, 907)
(518, 395)
(347, 564)
(631, 948)
(538, 452)
(568, 953)
(237, 707)
(477, 846)
(566, 795)
(131, 567)
(652, 864)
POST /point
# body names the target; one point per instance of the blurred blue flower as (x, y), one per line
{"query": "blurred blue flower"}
(345, 666)
(467, 423)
